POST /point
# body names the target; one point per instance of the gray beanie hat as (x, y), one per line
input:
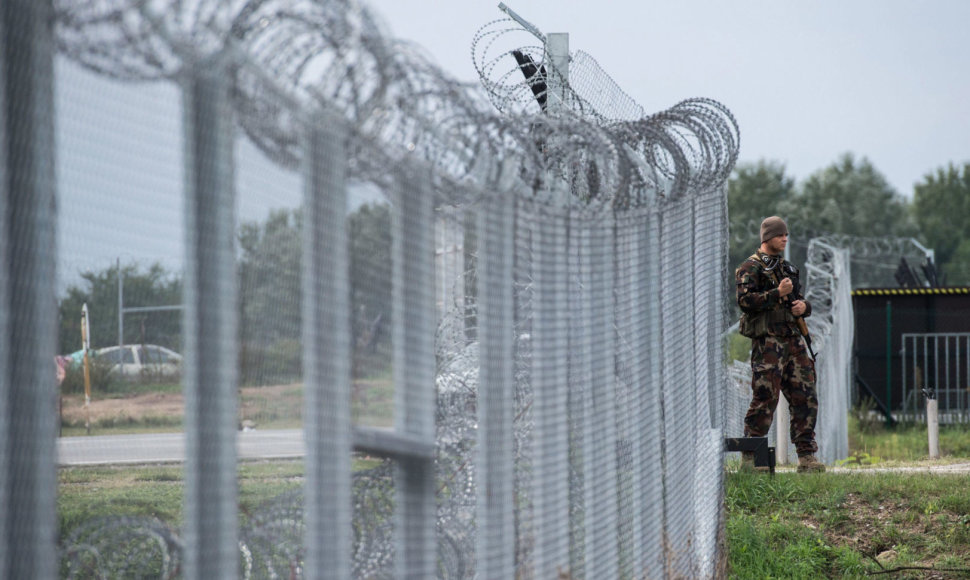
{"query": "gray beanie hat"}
(771, 227)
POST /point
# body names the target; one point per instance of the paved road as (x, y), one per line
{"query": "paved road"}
(929, 468)
(279, 444)
(170, 447)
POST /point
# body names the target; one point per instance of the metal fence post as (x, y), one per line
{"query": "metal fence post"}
(549, 331)
(710, 215)
(652, 518)
(6, 434)
(601, 521)
(679, 387)
(414, 370)
(557, 47)
(28, 304)
(628, 308)
(495, 465)
(210, 324)
(326, 352)
(578, 392)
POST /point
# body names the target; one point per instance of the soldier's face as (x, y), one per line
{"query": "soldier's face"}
(776, 245)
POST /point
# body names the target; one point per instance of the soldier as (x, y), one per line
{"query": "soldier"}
(772, 306)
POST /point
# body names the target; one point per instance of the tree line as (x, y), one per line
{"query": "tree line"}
(848, 197)
(270, 298)
(852, 197)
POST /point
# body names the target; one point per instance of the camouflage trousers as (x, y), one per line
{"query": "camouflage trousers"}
(782, 364)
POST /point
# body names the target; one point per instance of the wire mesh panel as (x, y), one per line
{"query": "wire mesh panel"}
(650, 381)
(552, 481)
(680, 386)
(710, 235)
(601, 411)
(737, 398)
(832, 326)
(414, 369)
(456, 342)
(495, 462)
(710, 241)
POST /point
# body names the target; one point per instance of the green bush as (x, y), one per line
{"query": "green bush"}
(868, 420)
(278, 363)
(101, 380)
(738, 348)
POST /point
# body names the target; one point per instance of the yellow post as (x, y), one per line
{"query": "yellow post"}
(86, 345)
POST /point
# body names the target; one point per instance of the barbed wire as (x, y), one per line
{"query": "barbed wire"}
(874, 259)
(295, 58)
(518, 79)
(270, 540)
(860, 246)
(121, 546)
(332, 63)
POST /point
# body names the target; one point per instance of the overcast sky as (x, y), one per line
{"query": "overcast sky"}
(807, 80)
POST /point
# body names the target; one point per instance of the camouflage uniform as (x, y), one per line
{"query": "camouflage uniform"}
(780, 361)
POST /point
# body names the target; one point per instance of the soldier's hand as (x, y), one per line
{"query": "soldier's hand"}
(798, 307)
(785, 287)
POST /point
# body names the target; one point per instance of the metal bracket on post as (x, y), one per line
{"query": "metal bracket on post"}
(522, 22)
(764, 456)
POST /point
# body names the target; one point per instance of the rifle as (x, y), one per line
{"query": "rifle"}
(799, 321)
(796, 290)
(803, 328)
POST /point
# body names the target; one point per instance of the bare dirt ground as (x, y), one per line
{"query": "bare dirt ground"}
(278, 406)
(134, 408)
(864, 527)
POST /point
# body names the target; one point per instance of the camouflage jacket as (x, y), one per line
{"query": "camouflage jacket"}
(763, 310)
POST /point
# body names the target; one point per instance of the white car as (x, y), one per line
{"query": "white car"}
(142, 360)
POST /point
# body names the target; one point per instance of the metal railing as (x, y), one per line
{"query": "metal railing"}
(937, 363)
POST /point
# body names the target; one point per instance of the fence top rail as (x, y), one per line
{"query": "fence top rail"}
(910, 291)
(917, 335)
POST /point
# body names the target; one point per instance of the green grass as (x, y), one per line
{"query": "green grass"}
(907, 442)
(831, 525)
(85, 493)
(278, 407)
(89, 492)
(836, 524)
(123, 425)
(373, 402)
(738, 348)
